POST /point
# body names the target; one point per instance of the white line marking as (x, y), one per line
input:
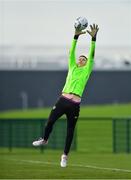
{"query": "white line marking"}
(101, 168)
(76, 165)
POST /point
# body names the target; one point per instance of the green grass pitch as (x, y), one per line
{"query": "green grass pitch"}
(86, 111)
(92, 160)
(35, 165)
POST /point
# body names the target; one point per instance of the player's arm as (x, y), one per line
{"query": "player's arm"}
(93, 34)
(72, 57)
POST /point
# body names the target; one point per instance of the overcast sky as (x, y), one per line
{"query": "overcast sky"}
(35, 22)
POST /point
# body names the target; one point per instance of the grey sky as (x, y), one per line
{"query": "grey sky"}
(35, 22)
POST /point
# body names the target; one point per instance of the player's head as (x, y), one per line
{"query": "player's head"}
(82, 60)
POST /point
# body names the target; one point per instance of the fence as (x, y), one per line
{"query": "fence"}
(21, 133)
(122, 135)
(93, 134)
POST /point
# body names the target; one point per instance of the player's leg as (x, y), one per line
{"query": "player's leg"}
(72, 117)
(56, 112)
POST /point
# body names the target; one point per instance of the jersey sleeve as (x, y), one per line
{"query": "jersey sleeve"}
(90, 62)
(72, 56)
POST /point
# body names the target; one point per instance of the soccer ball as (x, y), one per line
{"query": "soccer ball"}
(81, 23)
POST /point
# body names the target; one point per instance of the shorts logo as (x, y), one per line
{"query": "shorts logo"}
(54, 107)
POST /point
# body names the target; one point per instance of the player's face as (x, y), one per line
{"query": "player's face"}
(82, 61)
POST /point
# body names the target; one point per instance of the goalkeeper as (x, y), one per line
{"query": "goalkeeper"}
(69, 102)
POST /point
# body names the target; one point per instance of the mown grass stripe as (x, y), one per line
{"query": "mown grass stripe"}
(76, 165)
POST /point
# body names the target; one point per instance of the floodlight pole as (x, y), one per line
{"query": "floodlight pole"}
(24, 97)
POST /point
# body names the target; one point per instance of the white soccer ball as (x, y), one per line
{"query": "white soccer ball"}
(81, 23)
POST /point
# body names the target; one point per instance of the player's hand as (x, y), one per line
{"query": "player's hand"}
(94, 30)
(77, 32)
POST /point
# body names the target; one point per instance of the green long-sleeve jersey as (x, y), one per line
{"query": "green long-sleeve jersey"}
(78, 76)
